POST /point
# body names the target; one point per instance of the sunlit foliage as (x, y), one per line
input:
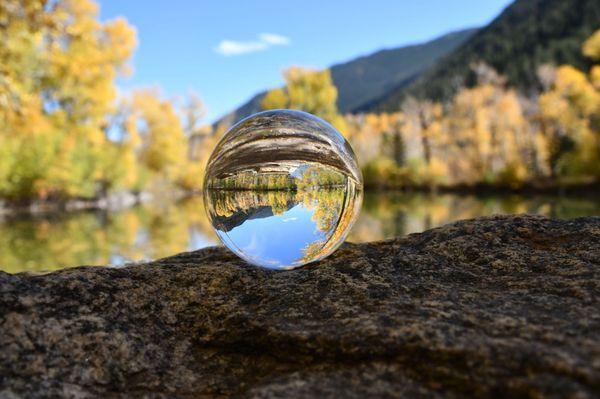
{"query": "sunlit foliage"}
(489, 134)
(307, 90)
(57, 87)
(570, 112)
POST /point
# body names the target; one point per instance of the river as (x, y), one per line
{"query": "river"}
(163, 228)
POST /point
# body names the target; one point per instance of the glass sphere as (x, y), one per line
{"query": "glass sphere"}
(282, 189)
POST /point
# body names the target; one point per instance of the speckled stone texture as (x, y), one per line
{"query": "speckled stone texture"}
(499, 306)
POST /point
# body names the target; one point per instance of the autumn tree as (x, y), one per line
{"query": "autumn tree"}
(570, 114)
(307, 90)
(424, 122)
(58, 70)
(193, 111)
(375, 136)
(163, 148)
(486, 127)
(380, 145)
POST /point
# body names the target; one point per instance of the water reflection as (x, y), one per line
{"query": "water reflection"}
(387, 215)
(96, 238)
(282, 229)
(162, 229)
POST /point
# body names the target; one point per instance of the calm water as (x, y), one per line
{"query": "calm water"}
(162, 229)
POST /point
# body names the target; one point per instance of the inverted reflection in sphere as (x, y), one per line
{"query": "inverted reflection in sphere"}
(282, 189)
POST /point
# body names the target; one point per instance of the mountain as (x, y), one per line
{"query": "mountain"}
(527, 34)
(366, 78)
(250, 107)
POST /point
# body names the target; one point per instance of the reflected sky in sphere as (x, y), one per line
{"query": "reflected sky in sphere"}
(276, 240)
(282, 189)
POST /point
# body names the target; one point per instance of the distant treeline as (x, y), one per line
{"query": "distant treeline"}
(486, 134)
(308, 178)
(65, 134)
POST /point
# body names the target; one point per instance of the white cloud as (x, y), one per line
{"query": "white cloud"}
(274, 39)
(265, 40)
(230, 47)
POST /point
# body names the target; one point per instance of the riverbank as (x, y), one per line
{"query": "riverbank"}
(537, 187)
(122, 200)
(111, 202)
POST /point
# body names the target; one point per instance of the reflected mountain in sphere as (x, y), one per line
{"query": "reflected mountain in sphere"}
(282, 189)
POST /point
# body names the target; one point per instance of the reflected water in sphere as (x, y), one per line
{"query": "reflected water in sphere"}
(282, 189)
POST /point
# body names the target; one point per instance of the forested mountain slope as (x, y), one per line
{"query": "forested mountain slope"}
(527, 34)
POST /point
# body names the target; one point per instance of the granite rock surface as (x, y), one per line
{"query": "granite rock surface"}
(504, 306)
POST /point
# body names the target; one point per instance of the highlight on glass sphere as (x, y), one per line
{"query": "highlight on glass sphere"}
(282, 189)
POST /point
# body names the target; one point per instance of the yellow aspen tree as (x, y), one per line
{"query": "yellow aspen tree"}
(59, 64)
(310, 91)
(164, 145)
(569, 111)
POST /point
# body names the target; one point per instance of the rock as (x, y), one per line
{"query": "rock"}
(500, 306)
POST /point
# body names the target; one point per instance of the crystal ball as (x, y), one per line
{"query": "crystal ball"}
(282, 189)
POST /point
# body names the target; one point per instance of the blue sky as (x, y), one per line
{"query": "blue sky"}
(227, 51)
(276, 241)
